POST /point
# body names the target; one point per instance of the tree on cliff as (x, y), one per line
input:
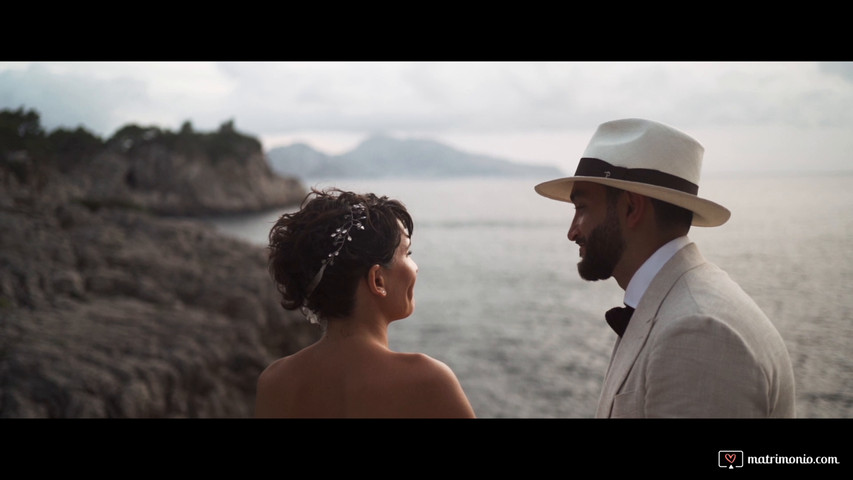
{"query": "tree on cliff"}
(21, 130)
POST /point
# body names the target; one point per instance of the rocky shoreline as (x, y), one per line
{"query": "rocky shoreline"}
(113, 307)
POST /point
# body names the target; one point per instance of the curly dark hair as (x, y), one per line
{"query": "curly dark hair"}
(299, 242)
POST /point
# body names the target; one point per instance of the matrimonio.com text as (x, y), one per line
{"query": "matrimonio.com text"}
(732, 459)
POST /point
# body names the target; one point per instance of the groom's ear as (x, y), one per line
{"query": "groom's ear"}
(636, 207)
(376, 280)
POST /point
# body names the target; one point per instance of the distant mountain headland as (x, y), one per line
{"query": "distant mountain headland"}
(381, 156)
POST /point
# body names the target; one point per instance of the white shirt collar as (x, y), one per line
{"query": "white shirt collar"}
(647, 271)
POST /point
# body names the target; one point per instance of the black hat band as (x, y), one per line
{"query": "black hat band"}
(593, 167)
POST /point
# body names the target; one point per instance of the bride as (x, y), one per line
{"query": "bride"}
(344, 259)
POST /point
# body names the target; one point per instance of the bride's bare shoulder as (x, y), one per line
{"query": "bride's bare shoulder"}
(431, 387)
(425, 366)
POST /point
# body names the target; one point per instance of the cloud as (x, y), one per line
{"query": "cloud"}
(843, 70)
(519, 96)
(475, 96)
(474, 103)
(71, 99)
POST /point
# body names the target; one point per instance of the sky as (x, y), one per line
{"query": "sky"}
(750, 116)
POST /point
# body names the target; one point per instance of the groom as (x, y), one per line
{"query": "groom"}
(690, 342)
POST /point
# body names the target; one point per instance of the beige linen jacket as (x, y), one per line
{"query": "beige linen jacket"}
(697, 346)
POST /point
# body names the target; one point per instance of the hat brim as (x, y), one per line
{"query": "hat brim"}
(705, 212)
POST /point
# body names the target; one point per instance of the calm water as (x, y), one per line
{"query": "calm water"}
(498, 297)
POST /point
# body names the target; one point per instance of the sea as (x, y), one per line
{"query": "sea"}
(499, 300)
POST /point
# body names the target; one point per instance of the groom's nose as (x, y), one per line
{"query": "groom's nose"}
(573, 231)
(573, 234)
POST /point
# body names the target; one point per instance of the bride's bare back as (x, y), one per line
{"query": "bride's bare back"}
(353, 379)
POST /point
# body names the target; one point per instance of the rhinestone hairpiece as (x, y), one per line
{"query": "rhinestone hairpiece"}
(340, 237)
(342, 234)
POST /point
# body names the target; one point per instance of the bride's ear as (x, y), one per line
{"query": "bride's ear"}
(376, 281)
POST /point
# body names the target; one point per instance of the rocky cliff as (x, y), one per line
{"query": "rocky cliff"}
(112, 307)
(169, 174)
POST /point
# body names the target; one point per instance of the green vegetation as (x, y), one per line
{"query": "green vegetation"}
(226, 142)
(21, 130)
(68, 148)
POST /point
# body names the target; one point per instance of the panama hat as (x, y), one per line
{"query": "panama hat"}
(644, 157)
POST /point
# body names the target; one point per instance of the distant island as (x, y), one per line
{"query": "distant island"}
(381, 156)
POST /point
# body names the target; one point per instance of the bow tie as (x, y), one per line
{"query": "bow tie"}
(618, 318)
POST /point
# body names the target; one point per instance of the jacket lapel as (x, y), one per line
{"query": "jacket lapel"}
(628, 347)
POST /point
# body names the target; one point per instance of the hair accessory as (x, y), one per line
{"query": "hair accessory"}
(310, 315)
(340, 237)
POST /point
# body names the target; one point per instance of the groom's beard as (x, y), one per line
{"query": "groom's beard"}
(604, 247)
